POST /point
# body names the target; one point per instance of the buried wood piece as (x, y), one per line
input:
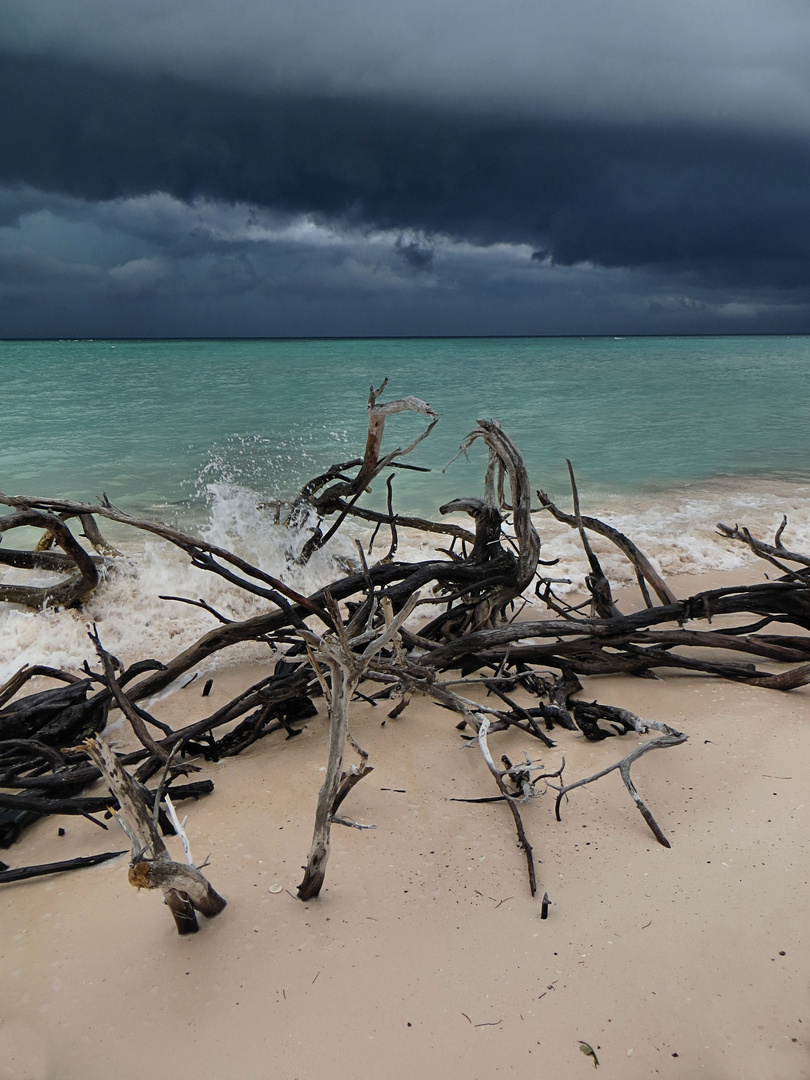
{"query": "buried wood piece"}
(94, 804)
(184, 888)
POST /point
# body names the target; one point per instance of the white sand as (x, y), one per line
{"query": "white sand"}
(425, 955)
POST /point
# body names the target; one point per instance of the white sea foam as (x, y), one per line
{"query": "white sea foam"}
(134, 623)
(675, 529)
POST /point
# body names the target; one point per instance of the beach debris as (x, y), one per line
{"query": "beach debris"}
(670, 737)
(589, 1051)
(361, 638)
(71, 591)
(185, 889)
(346, 667)
(23, 873)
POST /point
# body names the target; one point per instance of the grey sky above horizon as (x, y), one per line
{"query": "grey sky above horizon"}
(183, 169)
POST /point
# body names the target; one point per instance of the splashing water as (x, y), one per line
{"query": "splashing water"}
(201, 434)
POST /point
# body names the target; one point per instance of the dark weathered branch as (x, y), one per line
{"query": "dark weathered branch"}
(371, 466)
(645, 571)
(201, 552)
(23, 873)
(598, 585)
(124, 704)
(772, 553)
(70, 592)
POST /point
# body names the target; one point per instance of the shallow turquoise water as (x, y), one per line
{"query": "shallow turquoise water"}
(153, 422)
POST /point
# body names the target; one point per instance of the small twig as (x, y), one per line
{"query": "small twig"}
(349, 823)
(179, 828)
(483, 728)
(200, 604)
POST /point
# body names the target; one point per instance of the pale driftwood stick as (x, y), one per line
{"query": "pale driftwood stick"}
(93, 534)
(346, 669)
(184, 888)
(349, 823)
(344, 682)
(671, 737)
(372, 464)
(483, 729)
(179, 827)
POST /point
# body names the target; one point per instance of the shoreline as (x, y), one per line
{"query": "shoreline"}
(677, 532)
(689, 961)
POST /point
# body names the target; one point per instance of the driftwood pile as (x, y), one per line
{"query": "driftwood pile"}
(449, 628)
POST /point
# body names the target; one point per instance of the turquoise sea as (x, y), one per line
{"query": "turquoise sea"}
(155, 423)
(668, 436)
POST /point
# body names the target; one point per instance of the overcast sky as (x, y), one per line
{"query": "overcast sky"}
(370, 167)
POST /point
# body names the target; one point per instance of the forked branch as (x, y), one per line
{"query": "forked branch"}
(671, 737)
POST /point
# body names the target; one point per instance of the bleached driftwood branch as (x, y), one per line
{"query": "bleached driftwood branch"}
(185, 890)
(670, 737)
(346, 669)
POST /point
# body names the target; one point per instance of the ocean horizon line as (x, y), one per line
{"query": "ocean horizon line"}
(418, 337)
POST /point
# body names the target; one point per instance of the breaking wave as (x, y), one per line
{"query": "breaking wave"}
(676, 529)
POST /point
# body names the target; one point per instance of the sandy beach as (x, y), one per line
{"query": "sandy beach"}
(425, 953)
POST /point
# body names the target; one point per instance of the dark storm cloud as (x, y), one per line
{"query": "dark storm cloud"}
(735, 61)
(418, 255)
(390, 166)
(723, 206)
